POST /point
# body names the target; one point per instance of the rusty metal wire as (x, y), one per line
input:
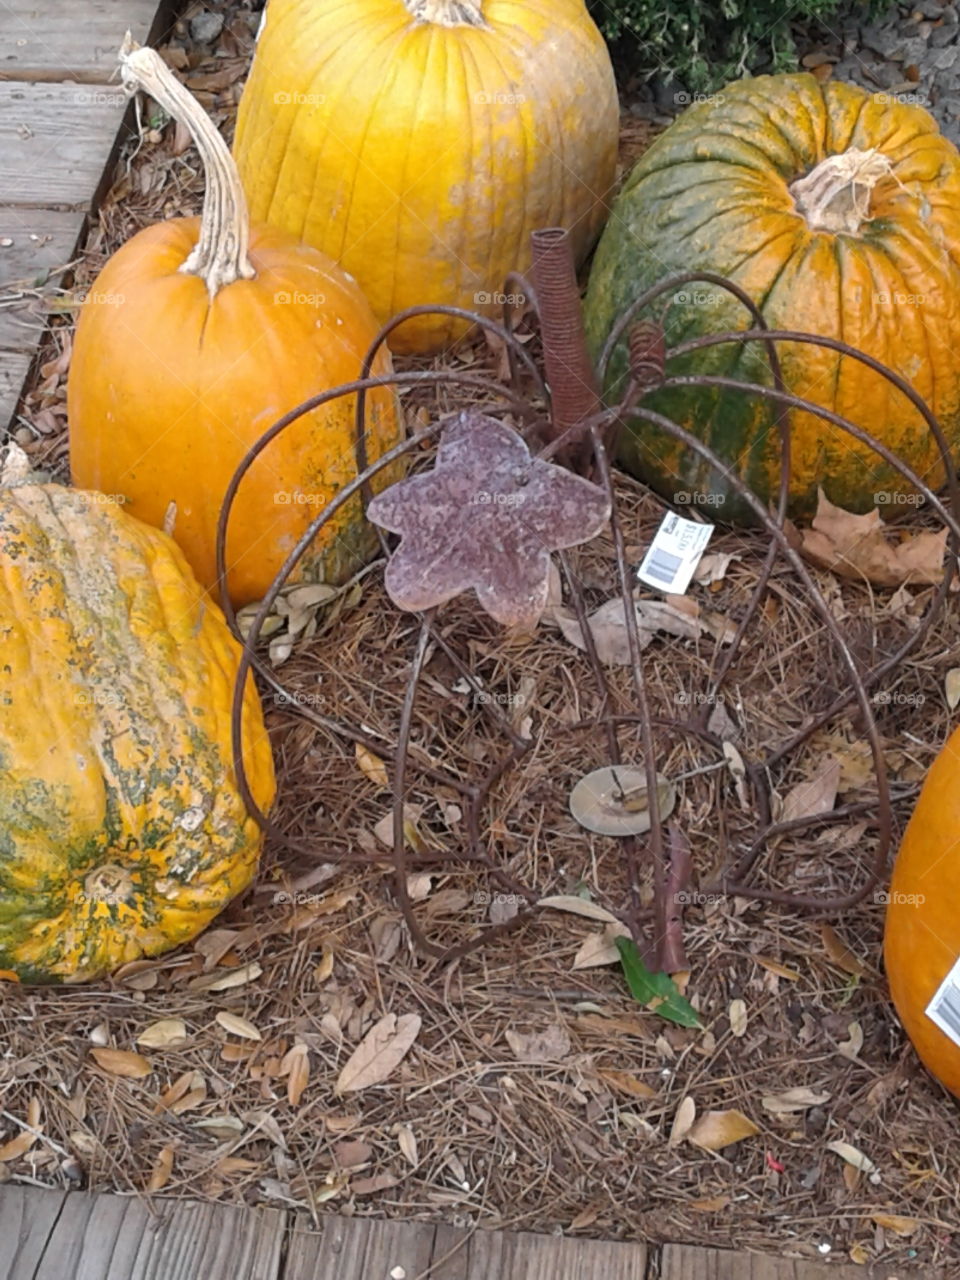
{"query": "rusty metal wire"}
(575, 419)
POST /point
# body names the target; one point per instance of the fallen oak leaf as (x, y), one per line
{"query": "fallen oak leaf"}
(894, 1222)
(791, 1101)
(379, 1053)
(815, 796)
(598, 949)
(579, 907)
(168, 1033)
(715, 1130)
(853, 1157)
(683, 1119)
(549, 1045)
(857, 547)
(162, 1170)
(840, 953)
(122, 1062)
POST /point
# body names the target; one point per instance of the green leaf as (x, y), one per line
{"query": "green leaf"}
(657, 991)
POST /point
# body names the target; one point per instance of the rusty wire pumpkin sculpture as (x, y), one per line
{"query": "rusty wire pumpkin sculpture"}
(576, 434)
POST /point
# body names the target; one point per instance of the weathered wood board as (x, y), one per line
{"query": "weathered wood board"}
(103, 1237)
(35, 246)
(69, 39)
(690, 1262)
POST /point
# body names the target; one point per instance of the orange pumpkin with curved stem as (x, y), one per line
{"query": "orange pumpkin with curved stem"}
(195, 338)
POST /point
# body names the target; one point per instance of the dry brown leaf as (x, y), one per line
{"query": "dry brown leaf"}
(411, 832)
(419, 886)
(580, 907)
(793, 1100)
(368, 1186)
(21, 1143)
(598, 949)
(296, 1067)
(859, 547)
(851, 1048)
(162, 1170)
(951, 687)
(709, 1204)
(715, 1130)
(840, 953)
(407, 1142)
(549, 1045)
(372, 766)
(168, 1033)
(223, 981)
(353, 1152)
(774, 966)
(237, 1026)
(379, 1053)
(855, 1158)
(235, 1164)
(122, 1062)
(187, 1101)
(188, 1082)
(859, 1254)
(683, 1121)
(624, 1082)
(814, 796)
(737, 1013)
(609, 625)
(894, 1222)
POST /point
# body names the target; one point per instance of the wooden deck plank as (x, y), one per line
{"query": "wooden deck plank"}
(35, 245)
(44, 41)
(27, 1218)
(105, 1237)
(690, 1262)
(56, 141)
(14, 367)
(537, 1257)
(359, 1249)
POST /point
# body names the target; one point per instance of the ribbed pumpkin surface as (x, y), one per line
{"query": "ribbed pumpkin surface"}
(713, 193)
(922, 935)
(420, 156)
(121, 829)
(168, 389)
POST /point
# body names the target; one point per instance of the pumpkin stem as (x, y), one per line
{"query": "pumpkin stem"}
(220, 255)
(835, 195)
(447, 13)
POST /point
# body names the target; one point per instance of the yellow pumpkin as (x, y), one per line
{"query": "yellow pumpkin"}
(922, 935)
(122, 831)
(195, 338)
(419, 142)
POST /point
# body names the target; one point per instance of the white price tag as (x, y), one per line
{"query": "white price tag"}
(944, 1008)
(674, 554)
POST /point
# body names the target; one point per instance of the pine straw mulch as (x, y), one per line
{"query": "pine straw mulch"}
(476, 1127)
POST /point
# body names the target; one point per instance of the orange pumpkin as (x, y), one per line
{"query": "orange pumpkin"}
(197, 335)
(922, 937)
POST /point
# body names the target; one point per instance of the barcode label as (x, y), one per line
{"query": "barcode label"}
(944, 1008)
(674, 554)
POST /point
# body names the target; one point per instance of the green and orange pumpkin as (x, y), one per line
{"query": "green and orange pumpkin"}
(122, 830)
(838, 212)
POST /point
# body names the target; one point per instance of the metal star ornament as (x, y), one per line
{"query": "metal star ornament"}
(485, 518)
